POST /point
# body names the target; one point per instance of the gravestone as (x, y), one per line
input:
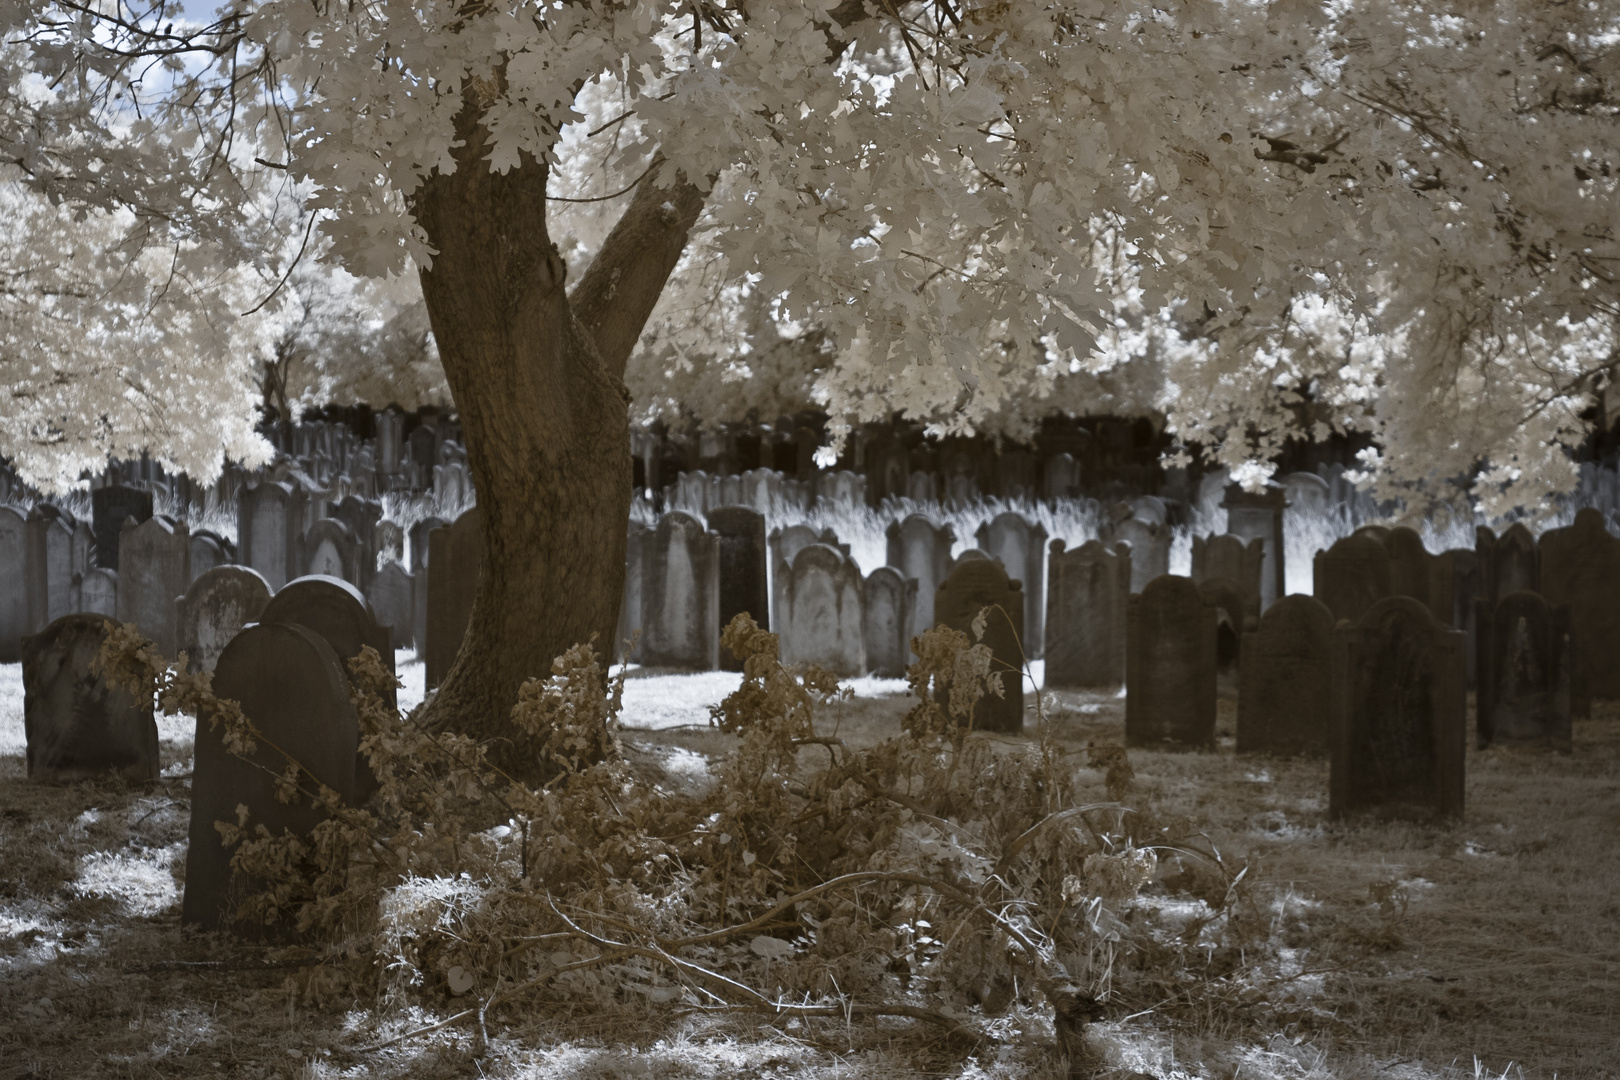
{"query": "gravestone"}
(1239, 561)
(336, 610)
(389, 595)
(1021, 547)
(1510, 563)
(843, 487)
(208, 550)
(418, 535)
(627, 645)
(1211, 494)
(744, 584)
(1399, 714)
(109, 506)
(98, 593)
(77, 726)
(14, 622)
(1230, 603)
(330, 550)
(424, 449)
(972, 586)
(961, 490)
(455, 559)
(890, 601)
(1170, 667)
(921, 550)
(823, 612)
(889, 470)
(154, 568)
(680, 599)
(50, 570)
(1151, 509)
(1410, 568)
(1087, 593)
(785, 546)
(390, 441)
(1062, 478)
(1258, 515)
(213, 611)
(1580, 566)
(1526, 652)
(922, 487)
(292, 688)
(1285, 691)
(1150, 550)
(1352, 575)
(269, 524)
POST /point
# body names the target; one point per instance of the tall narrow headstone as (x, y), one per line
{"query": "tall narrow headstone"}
(1258, 515)
(1399, 722)
(1526, 652)
(362, 517)
(1580, 566)
(292, 687)
(785, 545)
(1170, 667)
(681, 595)
(1352, 575)
(49, 566)
(418, 557)
(1150, 550)
(921, 550)
(823, 612)
(1088, 591)
(154, 568)
(14, 622)
(1510, 563)
(627, 644)
(974, 586)
(1285, 692)
(389, 595)
(78, 727)
(1021, 546)
(109, 506)
(1410, 570)
(890, 601)
(744, 584)
(455, 559)
(213, 611)
(269, 523)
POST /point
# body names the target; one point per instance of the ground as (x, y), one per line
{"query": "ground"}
(1486, 948)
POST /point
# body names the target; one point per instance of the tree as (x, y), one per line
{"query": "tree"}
(1403, 216)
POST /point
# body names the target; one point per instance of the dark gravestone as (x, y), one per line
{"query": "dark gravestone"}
(1509, 563)
(890, 601)
(1285, 695)
(1230, 602)
(78, 727)
(418, 535)
(974, 585)
(216, 607)
(627, 639)
(154, 569)
(98, 593)
(1352, 575)
(1239, 561)
(1087, 593)
(290, 685)
(338, 612)
(823, 612)
(1170, 667)
(1580, 566)
(1399, 714)
(389, 595)
(455, 559)
(1150, 549)
(1410, 570)
(13, 584)
(1526, 652)
(744, 587)
(1258, 515)
(362, 517)
(109, 506)
(208, 550)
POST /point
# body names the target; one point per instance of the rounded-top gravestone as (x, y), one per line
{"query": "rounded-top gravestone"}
(213, 611)
(78, 727)
(337, 611)
(973, 586)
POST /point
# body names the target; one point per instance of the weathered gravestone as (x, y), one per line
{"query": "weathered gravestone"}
(51, 570)
(213, 611)
(362, 517)
(1258, 515)
(291, 686)
(78, 727)
(154, 568)
(336, 610)
(418, 535)
(785, 546)
(1352, 575)
(1410, 567)
(208, 550)
(1399, 714)
(13, 584)
(1021, 547)
(891, 598)
(455, 556)
(1150, 549)
(109, 506)
(973, 586)
(921, 550)
(1285, 694)
(922, 487)
(1526, 653)
(680, 595)
(1508, 564)
(1580, 566)
(627, 645)
(1240, 561)
(98, 593)
(823, 612)
(744, 584)
(1170, 667)
(269, 524)
(389, 595)
(1231, 605)
(329, 549)
(1087, 594)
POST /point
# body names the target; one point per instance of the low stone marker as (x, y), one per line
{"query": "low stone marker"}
(887, 628)
(823, 612)
(1285, 690)
(213, 611)
(291, 685)
(680, 598)
(154, 567)
(1088, 591)
(973, 585)
(1399, 723)
(1170, 667)
(1526, 655)
(744, 584)
(78, 727)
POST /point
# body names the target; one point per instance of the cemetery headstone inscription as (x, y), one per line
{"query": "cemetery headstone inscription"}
(154, 568)
(823, 612)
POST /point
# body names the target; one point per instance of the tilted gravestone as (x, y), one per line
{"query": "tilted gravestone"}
(1150, 549)
(51, 566)
(78, 727)
(1285, 694)
(921, 550)
(890, 600)
(269, 524)
(109, 506)
(1526, 653)
(329, 549)
(291, 686)
(213, 611)
(680, 598)
(1352, 575)
(823, 612)
(455, 559)
(1170, 667)
(1021, 547)
(389, 595)
(744, 585)
(98, 594)
(1240, 561)
(1399, 722)
(973, 586)
(1088, 591)
(154, 568)
(13, 584)
(1580, 566)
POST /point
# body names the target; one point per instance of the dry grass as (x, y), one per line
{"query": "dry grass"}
(1374, 950)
